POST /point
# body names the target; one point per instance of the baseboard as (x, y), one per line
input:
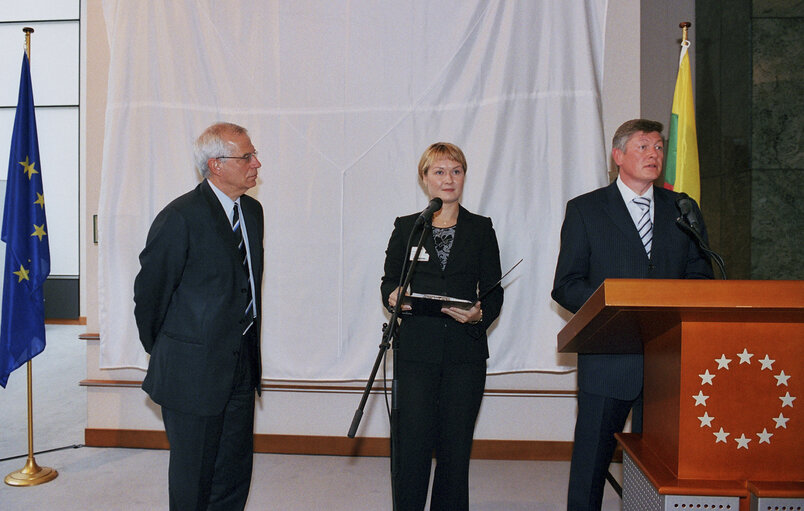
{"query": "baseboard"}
(82, 320)
(337, 446)
(134, 438)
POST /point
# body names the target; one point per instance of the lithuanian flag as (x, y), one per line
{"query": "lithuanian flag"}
(681, 164)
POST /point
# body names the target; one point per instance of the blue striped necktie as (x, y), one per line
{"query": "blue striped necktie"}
(644, 225)
(241, 246)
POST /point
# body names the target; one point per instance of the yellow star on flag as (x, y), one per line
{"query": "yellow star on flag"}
(22, 274)
(39, 230)
(40, 199)
(29, 167)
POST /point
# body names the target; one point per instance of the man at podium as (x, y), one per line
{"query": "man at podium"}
(624, 230)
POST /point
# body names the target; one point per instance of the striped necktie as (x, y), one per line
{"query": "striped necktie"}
(248, 313)
(644, 225)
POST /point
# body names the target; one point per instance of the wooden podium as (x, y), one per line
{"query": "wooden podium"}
(724, 381)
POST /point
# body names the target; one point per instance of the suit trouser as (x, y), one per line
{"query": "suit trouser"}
(438, 406)
(211, 457)
(599, 418)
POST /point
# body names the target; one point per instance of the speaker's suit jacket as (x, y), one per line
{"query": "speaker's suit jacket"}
(474, 263)
(190, 296)
(599, 241)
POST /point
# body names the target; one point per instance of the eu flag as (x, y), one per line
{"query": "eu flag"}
(22, 331)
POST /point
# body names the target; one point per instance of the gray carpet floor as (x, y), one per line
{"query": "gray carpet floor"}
(106, 479)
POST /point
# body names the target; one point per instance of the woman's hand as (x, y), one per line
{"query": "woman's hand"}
(393, 297)
(473, 315)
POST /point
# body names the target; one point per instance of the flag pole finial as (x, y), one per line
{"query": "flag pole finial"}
(684, 26)
(28, 31)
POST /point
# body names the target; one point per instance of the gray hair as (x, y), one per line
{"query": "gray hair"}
(210, 144)
(628, 128)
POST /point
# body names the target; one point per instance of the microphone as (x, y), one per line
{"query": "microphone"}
(689, 222)
(428, 212)
(684, 205)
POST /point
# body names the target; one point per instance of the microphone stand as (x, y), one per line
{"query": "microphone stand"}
(703, 246)
(389, 333)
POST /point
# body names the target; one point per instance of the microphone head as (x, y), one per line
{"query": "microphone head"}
(433, 206)
(683, 203)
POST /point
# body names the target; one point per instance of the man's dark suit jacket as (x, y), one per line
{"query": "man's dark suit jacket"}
(474, 262)
(599, 241)
(190, 296)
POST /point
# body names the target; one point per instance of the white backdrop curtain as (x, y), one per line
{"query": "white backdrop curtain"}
(341, 98)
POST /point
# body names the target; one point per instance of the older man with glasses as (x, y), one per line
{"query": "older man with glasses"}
(197, 306)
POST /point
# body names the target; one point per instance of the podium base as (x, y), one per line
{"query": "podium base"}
(763, 503)
(648, 485)
(639, 494)
(781, 495)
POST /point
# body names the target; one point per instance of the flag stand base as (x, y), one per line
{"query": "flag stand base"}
(31, 474)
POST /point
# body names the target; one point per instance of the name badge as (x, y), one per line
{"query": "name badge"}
(423, 255)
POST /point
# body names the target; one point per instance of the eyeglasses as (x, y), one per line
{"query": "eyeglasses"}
(248, 157)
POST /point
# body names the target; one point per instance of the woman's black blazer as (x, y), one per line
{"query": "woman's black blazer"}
(473, 267)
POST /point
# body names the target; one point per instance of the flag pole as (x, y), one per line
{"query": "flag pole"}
(31, 474)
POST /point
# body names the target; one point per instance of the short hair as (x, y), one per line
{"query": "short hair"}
(210, 144)
(440, 150)
(628, 128)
